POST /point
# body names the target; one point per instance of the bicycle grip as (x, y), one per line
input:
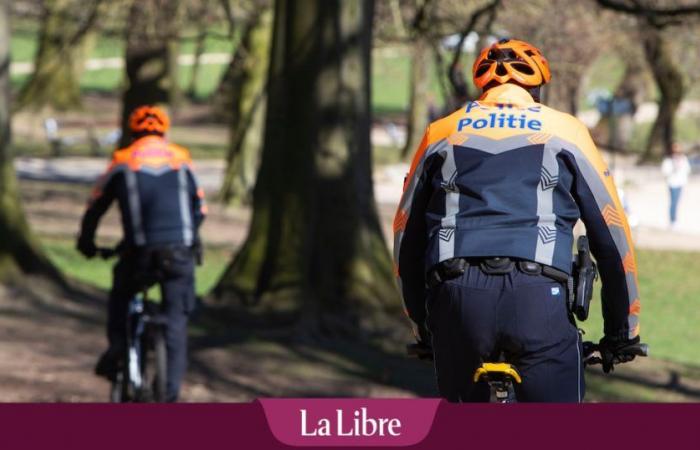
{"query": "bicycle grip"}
(639, 349)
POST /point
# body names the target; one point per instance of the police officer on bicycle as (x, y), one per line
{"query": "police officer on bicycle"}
(484, 236)
(161, 209)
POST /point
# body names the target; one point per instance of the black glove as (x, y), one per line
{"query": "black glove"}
(86, 247)
(616, 350)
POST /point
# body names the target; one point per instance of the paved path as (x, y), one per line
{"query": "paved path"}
(644, 187)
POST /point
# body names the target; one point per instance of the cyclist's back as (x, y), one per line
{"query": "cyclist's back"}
(153, 183)
(481, 206)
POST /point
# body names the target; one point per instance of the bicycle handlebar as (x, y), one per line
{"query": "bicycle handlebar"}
(424, 351)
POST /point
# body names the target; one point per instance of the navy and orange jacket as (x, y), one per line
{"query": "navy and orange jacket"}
(506, 176)
(158, 195)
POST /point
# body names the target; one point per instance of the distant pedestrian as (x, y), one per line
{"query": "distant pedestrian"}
(676, 169)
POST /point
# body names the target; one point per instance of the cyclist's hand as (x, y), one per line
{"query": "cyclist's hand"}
(614, 350)
(86, 247)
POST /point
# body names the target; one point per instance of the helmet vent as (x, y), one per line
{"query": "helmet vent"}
(523, 68)
(501, 70)
(483, 68)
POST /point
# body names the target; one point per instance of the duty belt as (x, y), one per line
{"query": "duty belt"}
(453, 268)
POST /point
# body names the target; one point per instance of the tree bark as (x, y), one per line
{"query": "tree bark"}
(64, 44)
(669, 80)
(246, 93)
(151, 57)
(19, 251)
(315, 256)
(418, 106)
(418, 98)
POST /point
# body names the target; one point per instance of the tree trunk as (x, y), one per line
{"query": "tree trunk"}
(315, 256)
(418, 106)
(669, 80)
(200, 40)
(19, 251)
(151, 57)
(247, 97)
(64, 44)
(632, 89)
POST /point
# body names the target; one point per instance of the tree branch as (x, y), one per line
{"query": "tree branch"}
(459, 87)
(638, 9)
(656, 17)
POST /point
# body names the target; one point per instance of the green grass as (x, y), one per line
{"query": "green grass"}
(669, 291)
(98, 272)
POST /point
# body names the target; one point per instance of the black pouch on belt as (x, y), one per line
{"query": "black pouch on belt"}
(447, 270)
(497, 266)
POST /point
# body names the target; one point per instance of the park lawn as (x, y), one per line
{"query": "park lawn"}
(668, 283)
(98, 272)
(669, 291)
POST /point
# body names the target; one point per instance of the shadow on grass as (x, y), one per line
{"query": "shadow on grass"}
(285, 367)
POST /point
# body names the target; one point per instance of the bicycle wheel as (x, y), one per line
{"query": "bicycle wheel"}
(160, 353)
(118, 392)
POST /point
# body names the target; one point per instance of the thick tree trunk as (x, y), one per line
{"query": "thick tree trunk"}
(669, 80)
(247, 106)
(19, 251)
(418, 106)
(64, 43)
(151, 57)
(315, 256)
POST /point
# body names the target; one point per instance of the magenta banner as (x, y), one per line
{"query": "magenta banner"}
(277, 424)
(350, 422)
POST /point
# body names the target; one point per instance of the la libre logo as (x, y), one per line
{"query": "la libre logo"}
(358, 424)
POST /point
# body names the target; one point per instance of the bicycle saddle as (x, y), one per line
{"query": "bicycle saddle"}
(496, 372)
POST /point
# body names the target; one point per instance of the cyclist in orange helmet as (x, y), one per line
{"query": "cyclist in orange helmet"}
(161, 208)
(483, 236)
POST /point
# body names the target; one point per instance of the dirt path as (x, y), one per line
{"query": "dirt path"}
(49, 342)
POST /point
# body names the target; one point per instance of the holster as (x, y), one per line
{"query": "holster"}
(584, 276)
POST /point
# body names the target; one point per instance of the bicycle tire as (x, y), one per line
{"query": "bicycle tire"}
(160, 381)
(119, 388)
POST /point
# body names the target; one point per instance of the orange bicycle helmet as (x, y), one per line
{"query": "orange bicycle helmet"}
(511, 59)
(149, 119)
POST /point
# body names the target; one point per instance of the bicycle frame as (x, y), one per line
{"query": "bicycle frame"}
(143, 325)
(144, 328)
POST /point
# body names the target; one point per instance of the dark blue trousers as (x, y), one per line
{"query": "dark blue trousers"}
(173, 268)
(477, 317)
